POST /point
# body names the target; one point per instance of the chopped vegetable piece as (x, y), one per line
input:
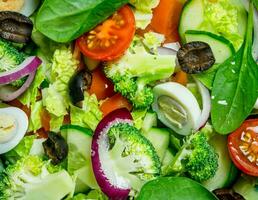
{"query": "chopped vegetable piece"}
(181, 78)
(166, 18)
(100, 85)
(110, 39)
(115, 102)
(196, 158)
(30, 177)
(122, 158)
(243, 147)
(141, 66)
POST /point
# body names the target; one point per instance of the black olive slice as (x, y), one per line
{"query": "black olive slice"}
(15, 27)
(195, 57)
(227, 194)
(77, 85)
(56, 148)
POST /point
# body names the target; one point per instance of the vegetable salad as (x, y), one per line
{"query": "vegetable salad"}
(128, 99)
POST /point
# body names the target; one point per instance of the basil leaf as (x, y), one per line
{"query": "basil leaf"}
(63, 21)
(174, 188)
(235, 88)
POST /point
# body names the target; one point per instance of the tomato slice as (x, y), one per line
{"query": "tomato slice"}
(110, 39)
(243, 147)
(101, 86)
(115, 102)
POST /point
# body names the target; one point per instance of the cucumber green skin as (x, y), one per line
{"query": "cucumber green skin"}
(242, 18)
(181, 30)
(221, 47)
(78, 128)
(82, 185)
(227, 172)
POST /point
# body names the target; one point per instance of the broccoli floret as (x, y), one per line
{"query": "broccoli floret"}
(133, 74)
(196, 158)
(29, 177)
(10, 58)
(134, 156)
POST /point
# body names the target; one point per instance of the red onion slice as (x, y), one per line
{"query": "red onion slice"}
(113, 190)
(8, 93)
(206, 104)
(28, 66)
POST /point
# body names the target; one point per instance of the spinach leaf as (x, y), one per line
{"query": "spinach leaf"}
(63, 21)
(174, 188)
(207, 77)
(235, 88)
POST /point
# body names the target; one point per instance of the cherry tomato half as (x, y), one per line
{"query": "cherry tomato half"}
(243, 147)
(110, 39)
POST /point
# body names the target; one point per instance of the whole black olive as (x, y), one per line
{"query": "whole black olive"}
(15, 27)
(77, 85)
(56, 148)
(195, 57)
(227, 194)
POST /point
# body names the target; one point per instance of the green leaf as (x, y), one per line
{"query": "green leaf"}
(21, 150)
(89, 115)
(174, 188)
(66, 20)
(235, 87)
(207, 77)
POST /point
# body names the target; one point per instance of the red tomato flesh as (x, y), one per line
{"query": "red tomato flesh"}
(101, 86)
(110, 39)
(243, 147)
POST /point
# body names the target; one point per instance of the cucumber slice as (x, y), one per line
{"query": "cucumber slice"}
(220, 46)
(150, 120)
(168, 157)
(247, 187)
(191, 17)
(159, 137)
(86, 178)
(227, 172)
(79, 156)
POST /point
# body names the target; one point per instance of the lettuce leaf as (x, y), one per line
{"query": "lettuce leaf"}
(143, 11)
(21, 150)
(30, 96)
(35, 121)
(56, 122)
(92, 195)
(87, 116)
(222, 17)
(55, 97)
